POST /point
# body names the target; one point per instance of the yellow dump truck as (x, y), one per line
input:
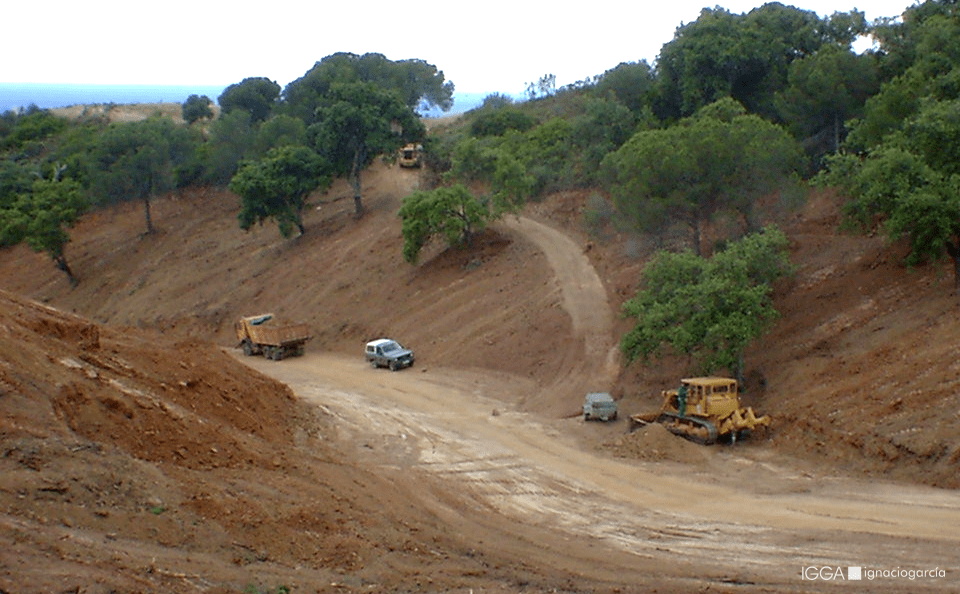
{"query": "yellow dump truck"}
(704, 410)
(274, 341)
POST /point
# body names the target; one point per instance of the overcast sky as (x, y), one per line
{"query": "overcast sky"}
(482, 46)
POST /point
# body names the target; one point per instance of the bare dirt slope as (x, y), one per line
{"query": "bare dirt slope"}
(135, 449)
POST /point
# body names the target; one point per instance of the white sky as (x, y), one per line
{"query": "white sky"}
(483, 46)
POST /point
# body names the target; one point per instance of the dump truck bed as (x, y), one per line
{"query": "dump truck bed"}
(279, 335)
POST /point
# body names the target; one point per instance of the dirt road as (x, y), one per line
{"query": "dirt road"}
(584, 299)
(741, 518)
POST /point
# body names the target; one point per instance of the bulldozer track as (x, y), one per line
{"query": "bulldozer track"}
(676, 423)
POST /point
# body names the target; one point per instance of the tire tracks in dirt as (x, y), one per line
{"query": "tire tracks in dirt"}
(592, 355)
(520, 476)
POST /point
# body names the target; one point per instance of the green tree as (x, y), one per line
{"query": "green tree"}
(356, 123)
(745, 57)
(417, 83)
(631, 83)
(256, 96)
(900, 166)
(451, 212)
(231, 136)
(710, 309)
(15, 179)
(826, 89)
(486, 160)
(496, 121)
(277, 187)
(603, 128)
(721, 160)
(139, 160)
(40, 218)
(914, 201)
(26, 131)
(545, 153)
(280, 130)
(931, 39)
(197, 108)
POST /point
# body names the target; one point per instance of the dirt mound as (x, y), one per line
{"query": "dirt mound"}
(134, 462)
(654, 443)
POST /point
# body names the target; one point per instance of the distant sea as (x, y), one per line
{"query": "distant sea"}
(14, 96)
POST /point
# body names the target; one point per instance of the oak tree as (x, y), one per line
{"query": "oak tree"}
(356, 123)
(277, 186)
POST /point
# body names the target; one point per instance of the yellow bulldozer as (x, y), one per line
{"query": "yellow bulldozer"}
(411, 155)
(704, 410)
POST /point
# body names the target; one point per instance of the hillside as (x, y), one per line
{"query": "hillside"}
(856, 371)
(138, 456)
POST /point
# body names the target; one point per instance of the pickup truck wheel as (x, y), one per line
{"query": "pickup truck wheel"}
(393, 365)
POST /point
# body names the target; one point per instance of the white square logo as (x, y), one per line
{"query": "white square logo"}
(853, 573)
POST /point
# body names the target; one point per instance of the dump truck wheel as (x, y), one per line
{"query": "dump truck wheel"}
(247, 348)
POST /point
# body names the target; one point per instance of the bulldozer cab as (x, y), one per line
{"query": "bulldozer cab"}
(704, 396)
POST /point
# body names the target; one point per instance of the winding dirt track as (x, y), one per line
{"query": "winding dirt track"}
(757, 522)
(526, 484)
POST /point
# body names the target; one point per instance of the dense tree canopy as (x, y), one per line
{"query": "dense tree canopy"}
(720, 160)
(277, 186)
(39, 217)
(416, 83)
(632, 84)
(256, 95)
(450, 212)
(901, 166)
(710, 309)
(825, 90)
(197, 108)
(743, 56)
(139, 160)
(356, 123)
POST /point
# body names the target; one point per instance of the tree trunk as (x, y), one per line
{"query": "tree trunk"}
(61, 262)
(355, 182)
(954, 251)
(146, 212)
(836, 132)
(697, 236)
(740, 378)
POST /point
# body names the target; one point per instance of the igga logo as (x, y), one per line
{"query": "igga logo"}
(825, 573)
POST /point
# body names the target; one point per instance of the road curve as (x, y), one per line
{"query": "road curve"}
(752, 515)
(584, 298)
